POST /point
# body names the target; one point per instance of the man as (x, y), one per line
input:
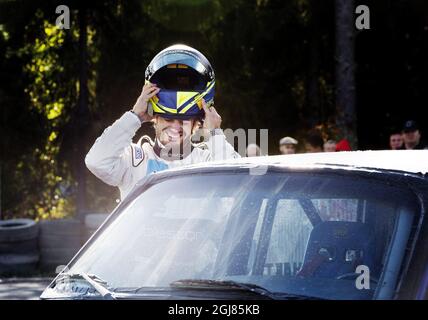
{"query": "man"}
(343, 145)
(412, 136)
(330, 146)
(253, 150)
(395, 140)
(287, 145)
(177, 96)
(314, 142)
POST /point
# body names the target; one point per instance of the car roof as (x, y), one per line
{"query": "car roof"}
(412, 161)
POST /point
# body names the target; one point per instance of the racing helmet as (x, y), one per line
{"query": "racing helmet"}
(184, 76)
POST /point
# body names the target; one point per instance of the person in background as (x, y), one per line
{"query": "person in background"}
(253, 150)
(343, 145)
(395, 140)
(287, 145)
(412, 136)
(314, 142)
(330, 146)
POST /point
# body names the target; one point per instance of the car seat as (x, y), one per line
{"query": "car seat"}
(336, 248)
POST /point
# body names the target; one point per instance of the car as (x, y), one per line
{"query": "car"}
(343, 225)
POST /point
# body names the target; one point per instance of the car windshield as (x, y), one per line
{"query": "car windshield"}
(332, 236)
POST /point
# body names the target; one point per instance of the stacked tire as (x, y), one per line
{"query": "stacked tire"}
(19, 252)
(92, 222)
(59, 241)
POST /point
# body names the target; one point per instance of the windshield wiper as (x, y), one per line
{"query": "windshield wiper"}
(98, 284)
(208, 284)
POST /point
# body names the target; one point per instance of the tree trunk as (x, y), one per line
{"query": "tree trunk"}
(313, 105)
(82, 116)
(346, 119)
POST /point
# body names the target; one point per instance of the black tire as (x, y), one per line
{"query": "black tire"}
(55, 241)
(17, 259)
(87, 234)
(61, 227)
(94, 220)
(55, 234)
(15, 230)
(59, 241)
(19, 247)
(50, 259)
(18, 264)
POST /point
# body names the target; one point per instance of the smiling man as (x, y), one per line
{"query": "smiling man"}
(412, 136)
(178, 96)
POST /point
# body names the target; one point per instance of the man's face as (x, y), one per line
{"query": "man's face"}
(329, 147)
(172, 131)
(395, 141)
(253, 151)
(412, 137)
(287, 149)
(312, 149)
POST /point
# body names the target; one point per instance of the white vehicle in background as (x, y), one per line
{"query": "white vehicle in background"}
(281, 227)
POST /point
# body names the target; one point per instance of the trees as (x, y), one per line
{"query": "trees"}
(275, 64)
(34, 102)
(345, 71)
(261, 72)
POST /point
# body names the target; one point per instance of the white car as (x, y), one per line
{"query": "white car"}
(345, 225)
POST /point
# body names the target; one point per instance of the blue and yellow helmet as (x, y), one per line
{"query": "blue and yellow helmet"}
(184, 76)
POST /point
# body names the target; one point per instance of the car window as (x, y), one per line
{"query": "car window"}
(337, 209)
(290, 232)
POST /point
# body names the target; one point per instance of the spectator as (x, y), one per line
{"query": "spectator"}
(330, 146)
(314, 142)
(412, 136)
(343, 145)
(253, 150)
(395, 140)
(287, 145)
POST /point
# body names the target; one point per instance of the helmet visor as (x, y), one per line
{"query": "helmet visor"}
(185, 58)
(180, 78)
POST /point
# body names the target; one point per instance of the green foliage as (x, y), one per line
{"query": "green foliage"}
(274, 62)
(37, 173)
(258, 49)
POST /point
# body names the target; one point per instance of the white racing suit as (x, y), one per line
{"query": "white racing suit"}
(118, 162)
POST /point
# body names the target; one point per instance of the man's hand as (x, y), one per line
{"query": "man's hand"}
(141, 106)
(212, 119)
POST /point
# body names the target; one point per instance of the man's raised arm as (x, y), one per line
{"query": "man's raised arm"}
(110, 156)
